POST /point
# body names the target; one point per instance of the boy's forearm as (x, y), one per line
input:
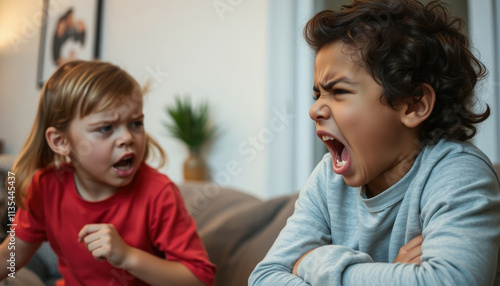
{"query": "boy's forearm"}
(157, 271)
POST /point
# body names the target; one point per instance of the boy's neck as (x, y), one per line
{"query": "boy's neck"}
(392, 176)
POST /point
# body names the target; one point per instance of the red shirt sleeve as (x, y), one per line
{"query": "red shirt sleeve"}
(174, 233)
(31, 222)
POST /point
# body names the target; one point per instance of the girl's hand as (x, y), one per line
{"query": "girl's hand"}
(411, 252)
(104, 242)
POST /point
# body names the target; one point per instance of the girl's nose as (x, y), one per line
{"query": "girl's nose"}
(125, 138)
(319, 111)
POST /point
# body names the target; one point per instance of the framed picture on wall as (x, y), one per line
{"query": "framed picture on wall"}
(70, 31)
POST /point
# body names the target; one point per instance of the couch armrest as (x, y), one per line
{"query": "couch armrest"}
(237, 229)
(23, 277)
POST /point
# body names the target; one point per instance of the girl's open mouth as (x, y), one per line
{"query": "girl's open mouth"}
(125, 164)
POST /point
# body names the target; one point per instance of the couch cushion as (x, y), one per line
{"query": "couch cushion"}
(23, 277)
(237, 229)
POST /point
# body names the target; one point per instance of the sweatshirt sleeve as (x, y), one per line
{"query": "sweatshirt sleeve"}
(306, 229)
(461, 229)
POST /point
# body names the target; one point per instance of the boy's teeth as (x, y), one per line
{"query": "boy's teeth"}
(326, 138)
(341, 163)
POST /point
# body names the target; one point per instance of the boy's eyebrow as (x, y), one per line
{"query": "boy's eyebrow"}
(330, 84)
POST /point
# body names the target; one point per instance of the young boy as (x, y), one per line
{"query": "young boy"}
(402, 198)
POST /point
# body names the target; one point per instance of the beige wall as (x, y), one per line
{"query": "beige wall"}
(183, 47)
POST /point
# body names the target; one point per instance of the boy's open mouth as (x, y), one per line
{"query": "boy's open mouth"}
(340, 153)
(125, 163)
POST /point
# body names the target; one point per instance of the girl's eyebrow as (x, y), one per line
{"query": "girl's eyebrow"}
(139, 116)
(104, 119)
(113, 118)
(101, 122)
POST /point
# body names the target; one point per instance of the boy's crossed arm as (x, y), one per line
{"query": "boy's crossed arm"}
(409, 253)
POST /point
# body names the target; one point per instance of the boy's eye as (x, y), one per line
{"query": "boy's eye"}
(340, 91)
(105, 129)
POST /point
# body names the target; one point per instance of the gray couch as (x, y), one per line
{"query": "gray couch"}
(237, 230)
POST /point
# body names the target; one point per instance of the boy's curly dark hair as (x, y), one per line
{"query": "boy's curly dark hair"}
(404, 44)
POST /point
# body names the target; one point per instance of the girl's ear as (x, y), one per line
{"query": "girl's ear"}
(57, 141)
(415, 112)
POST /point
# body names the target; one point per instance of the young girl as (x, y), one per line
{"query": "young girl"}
(83, 185)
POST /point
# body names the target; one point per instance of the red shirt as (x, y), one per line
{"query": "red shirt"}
(149, 214)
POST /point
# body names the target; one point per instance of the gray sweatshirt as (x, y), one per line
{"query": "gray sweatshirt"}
(451, 196)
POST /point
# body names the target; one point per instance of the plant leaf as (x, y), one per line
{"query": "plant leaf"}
(190, 124)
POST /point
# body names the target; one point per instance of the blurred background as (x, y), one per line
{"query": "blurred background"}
(247, 59)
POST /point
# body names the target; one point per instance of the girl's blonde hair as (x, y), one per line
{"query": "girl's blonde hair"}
(75, 88)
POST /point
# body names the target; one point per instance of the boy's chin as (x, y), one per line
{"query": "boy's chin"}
(354, 185)
(353, 182)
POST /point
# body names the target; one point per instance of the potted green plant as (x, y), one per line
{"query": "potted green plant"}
(190, 125)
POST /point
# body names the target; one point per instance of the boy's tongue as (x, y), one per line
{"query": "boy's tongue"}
(345, 154)
(341, 163)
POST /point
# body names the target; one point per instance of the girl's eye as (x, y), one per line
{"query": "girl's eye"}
(138, 124)
(105, 129)
(316, 96)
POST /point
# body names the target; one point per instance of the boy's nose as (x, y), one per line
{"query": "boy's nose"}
(319, 111)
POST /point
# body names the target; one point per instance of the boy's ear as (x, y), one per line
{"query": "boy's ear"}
(415, 112)
(57, 141)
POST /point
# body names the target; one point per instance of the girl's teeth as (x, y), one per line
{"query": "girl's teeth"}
(124, 164)
(125, 167)
(326, 138)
